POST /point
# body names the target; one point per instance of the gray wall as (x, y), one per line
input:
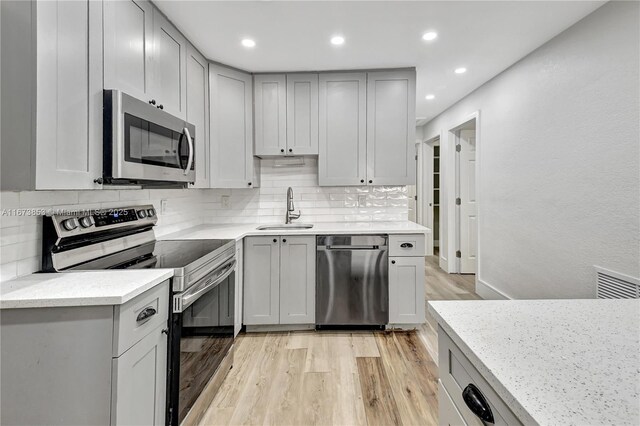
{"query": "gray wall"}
(559, 160)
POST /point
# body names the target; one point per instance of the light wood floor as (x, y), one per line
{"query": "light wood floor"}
(338, 378)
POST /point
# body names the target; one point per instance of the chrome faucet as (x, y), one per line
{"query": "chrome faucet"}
(290, 208)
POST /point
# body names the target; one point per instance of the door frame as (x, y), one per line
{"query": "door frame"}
(450, 177)
(426, 190)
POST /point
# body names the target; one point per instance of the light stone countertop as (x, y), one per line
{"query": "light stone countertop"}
(85, 288)
(239, 231)
(553, 362)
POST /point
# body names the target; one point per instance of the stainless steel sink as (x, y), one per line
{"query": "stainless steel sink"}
(282, 227)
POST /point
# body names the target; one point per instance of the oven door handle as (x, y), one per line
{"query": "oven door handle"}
(190, 142)
(183, 300)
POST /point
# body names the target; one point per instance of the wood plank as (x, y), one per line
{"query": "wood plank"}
(416, 400)
(243, 361)
(364, 345)
(379, 404)
(316, 403)
(252, 406)
(283, 403)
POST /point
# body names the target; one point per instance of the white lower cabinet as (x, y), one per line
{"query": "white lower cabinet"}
(406, 279)
(239, 287)
(86, 365)
(406, 290)
(279, 280)
(448, 414)
(139, 382)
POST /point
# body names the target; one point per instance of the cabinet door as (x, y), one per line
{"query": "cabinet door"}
(198, 112)
(128, 41)
(261, 280)
(302, 114)
(231, 128)
(169, 66)
(139, 382)
(270, 101)
(391, 128)
(297, 280)
(342, 133)
(69, 95)
(239, 283)
(406, 290)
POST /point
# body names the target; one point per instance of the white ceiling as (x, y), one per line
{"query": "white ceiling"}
(485, 37)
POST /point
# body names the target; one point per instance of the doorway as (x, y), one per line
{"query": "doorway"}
(465, 197)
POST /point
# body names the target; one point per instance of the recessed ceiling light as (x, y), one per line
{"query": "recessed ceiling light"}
(431, 35)
(429, 97)
(460, 70)
(247, 42)
(337, 40)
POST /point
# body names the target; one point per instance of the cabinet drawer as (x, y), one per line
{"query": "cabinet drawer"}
(407, 245)
(457, 372)
(448, 414)
(131, 326)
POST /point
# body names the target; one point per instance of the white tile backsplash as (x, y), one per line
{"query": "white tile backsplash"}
(267, 204)
(21, 235)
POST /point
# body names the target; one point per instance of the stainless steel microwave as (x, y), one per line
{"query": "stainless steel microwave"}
(144, 144)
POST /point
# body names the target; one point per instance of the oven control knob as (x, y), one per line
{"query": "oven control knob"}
(142, 214)
(70, 224)
(87, 221)
(151, 212)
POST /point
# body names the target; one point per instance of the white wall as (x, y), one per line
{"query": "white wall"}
(559, 182)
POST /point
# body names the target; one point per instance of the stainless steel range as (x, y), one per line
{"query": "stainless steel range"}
(203, 292)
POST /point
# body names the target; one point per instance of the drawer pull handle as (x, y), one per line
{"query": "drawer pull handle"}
(477, 403)
(146, 313)
(406, 245)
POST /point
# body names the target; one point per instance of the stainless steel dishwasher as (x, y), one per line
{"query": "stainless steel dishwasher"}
(352, 285)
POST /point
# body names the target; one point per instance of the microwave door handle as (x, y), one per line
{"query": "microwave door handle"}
(190, 142)
(179, 151)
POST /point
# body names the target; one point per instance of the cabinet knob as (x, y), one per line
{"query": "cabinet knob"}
(165, 331)
(275, 240)
(370, 181)
(152, 101)
(284, 240)
(290, 150)
(99, 181)
(393, 262)
(282, 150)
(361, 180)
(249, 184)
(160, 106)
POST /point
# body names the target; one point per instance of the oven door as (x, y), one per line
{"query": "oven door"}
(201, 337)
(144, 143)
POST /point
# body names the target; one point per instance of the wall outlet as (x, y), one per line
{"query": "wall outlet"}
(225, 200)
(163, 206)
(362, 201)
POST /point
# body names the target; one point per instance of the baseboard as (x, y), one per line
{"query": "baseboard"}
(489, 292)
(279, 327)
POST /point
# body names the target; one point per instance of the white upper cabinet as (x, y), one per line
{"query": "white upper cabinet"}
(144, 55)
(232, 163)
(270, 104)
(198, 112)
(391, 126)
(286, 114)
(169, 66)
(302, 114)
(52, 95)
(128, 44)
(342, 129)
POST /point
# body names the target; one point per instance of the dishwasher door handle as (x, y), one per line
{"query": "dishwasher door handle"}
(346, 247)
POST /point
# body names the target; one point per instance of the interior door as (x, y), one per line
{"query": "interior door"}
(468, 228)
